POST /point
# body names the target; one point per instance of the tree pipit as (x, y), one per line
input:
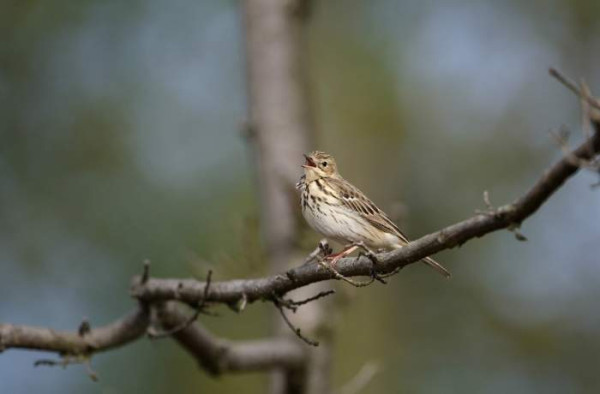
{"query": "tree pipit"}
(341, 212)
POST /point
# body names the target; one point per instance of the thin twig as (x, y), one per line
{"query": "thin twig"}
(586, 110)
(278, 304)
(561, 139)
(218, 355)
(293, 305)
(572, 86)
(486, 200)
(66, 360)
(146, 271)
(337, 275)
(313, 255)
(84, 327)
(154, 334)
(90, 371)
(313, 298)
(321, 249)
(490, 209)
(117, 333)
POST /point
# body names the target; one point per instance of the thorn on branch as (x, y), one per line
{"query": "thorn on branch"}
(84, 328)
(519, 236)
(489, 207)
(514, 228)
(145, 272)
(486, 200)
(278, 302)
(498, 213)
(240, 304)
(200, 308)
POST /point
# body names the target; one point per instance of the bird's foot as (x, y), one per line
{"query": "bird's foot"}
(330, 260)
(366, 251)
(334, 257)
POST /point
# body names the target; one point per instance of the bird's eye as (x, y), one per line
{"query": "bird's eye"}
(324, 164)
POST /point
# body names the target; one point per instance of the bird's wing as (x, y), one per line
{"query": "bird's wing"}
(354, 199)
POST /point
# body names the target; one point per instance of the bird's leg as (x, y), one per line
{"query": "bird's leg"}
(333, 258)
(348, 249)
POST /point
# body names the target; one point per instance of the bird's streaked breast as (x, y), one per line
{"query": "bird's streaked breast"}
(325, 213)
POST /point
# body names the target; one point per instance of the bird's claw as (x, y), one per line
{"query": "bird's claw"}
(368, 253)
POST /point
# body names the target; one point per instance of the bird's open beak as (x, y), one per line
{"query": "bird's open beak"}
(309, 162)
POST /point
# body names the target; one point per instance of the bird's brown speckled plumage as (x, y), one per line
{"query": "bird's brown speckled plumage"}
(340, 211)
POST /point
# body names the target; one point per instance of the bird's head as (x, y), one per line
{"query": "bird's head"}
(319, 165)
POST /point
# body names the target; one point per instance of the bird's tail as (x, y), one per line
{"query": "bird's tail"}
(436, 266)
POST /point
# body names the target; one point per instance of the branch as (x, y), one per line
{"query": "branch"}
(572, 86)
(508, 216)
(218, 356)
(84, 342)
(287, 321)
(200, 308)
(280, 353)
(213, 354)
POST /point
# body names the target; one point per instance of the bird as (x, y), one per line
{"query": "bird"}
(339, 211)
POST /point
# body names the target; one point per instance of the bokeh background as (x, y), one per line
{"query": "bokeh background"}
(121, 139)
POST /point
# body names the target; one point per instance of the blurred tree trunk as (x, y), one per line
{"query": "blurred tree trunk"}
(280, 127)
